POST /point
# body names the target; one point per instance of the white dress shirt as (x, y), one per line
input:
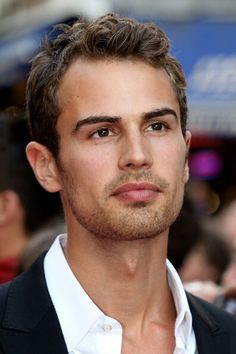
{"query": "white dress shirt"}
(86, 329)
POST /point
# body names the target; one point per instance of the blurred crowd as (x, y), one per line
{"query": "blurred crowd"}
(25, 207)
(202, 247)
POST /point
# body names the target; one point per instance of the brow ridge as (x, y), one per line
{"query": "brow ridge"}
(115, 119)
(95, 119)
(160, 113)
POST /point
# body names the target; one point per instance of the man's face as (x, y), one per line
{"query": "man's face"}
(122, 160)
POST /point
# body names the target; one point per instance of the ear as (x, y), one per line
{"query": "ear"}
(44, 166)
(10, 206)
(188, 137)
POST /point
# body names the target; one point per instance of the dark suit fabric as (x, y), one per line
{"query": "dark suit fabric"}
(29, 324)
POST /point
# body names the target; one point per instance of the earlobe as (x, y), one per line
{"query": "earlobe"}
(44, 166)
(188, 137)
(186, 172)
(188, 143)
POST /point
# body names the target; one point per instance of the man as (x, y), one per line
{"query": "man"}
(108, 115)
(20, 195)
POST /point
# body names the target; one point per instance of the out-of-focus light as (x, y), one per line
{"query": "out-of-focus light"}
(214, 203)
(205, 164)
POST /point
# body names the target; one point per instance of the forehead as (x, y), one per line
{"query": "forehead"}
(110, 86)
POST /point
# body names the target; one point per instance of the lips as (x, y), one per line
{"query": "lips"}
(136, 192)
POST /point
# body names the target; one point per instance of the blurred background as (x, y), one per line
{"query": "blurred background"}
(202, 34)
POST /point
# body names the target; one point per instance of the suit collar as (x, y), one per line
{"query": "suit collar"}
(26, 292)
(30, 323)
(210, 336)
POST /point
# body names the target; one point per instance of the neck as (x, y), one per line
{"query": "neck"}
(129, 281)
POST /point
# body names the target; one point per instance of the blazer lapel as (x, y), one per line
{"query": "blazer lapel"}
(30, 324)
(210, 337)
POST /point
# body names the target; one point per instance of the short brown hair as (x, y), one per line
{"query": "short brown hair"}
(109, 36)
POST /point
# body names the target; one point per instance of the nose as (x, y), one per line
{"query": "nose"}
(135, 152)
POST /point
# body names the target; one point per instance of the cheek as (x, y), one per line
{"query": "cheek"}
(90, 170)
(173, 160)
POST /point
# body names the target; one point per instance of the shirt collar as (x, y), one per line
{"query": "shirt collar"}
(183, 324)
(77, 313)
(75, 310)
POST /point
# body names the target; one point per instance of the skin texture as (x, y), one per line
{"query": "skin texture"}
(121, 173)
(131, 152)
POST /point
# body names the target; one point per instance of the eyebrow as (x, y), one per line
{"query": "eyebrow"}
(95, 119)
(160, 113)
(115, 119)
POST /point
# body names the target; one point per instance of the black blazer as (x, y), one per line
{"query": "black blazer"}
(29, 324)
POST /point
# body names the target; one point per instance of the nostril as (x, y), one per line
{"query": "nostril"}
(135, 165)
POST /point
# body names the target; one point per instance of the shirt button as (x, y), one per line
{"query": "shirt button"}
(107, 327)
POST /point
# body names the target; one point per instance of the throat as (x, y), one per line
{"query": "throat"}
(129, 281)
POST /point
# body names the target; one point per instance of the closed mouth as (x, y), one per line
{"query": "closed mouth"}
(136, 192)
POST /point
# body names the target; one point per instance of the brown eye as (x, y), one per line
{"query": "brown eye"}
(157, 126)
(101, 133)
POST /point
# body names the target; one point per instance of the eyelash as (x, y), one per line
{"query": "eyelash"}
(92, 135)
(111, 132)
(163, 125)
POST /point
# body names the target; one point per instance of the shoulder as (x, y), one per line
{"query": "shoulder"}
(211, 315)
(215, 329)
(20, 297)
(4, 290)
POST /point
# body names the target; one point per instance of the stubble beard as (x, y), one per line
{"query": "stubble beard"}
(135, 221)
